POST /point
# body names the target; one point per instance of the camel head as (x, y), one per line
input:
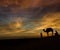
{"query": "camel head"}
(44, 30)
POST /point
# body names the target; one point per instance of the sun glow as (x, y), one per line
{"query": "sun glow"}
(16, 24)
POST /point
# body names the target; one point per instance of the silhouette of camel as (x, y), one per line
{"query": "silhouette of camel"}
(48, 30)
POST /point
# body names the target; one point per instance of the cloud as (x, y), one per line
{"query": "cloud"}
(14, 26)
(29, 2)
(28, 16)
(49, 20)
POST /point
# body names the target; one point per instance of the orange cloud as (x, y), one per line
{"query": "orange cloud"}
(49, 20)
(28, 3)
(13, 27)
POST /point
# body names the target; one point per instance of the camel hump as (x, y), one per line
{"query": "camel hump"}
(50, 28)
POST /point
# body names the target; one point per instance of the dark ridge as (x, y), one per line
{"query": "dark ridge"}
(31, 43)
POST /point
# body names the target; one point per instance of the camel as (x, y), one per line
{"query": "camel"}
(48, 30)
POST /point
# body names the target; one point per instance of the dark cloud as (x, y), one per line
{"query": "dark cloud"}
(23, 8)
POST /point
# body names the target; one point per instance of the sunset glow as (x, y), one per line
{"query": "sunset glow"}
(28, 17)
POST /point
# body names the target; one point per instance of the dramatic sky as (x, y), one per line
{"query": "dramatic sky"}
(28, 17)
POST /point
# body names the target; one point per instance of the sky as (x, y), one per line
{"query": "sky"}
(28, 17)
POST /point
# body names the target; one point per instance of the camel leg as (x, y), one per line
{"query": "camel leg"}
(52, 33)
(47, 34)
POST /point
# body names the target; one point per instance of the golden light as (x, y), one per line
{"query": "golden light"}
(16, 24)
(49, 20)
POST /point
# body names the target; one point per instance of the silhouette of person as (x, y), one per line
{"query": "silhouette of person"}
(56, 33)
(41, 35)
